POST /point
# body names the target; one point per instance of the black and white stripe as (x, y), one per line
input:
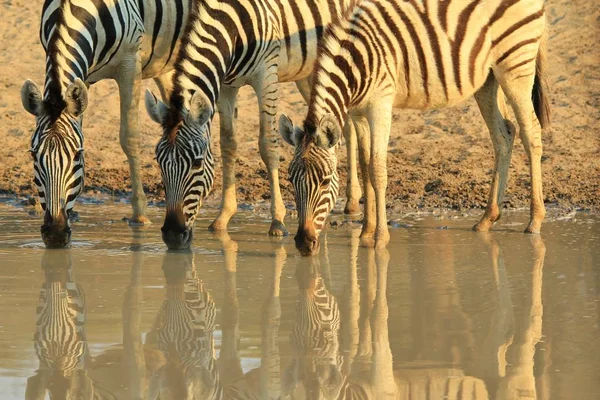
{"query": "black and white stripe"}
(184, 333)
(315, 338)
(60, 337)
(422, 55)
(228, 44)
(86, 41)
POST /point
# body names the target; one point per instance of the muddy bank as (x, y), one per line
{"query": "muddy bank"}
(438, 159)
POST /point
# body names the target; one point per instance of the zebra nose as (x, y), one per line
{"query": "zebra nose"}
(307, 244)
(175, 234)
(55, 231)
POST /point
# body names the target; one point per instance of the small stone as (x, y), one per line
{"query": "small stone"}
(433, 185)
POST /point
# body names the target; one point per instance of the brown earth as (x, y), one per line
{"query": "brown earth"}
(448, 150)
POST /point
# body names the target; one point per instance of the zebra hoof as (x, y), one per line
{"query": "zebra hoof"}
(217, 226)
(278, 229)
(482, 226)
(534, 227)
(367, 241)
(352, 208)
(138, 221)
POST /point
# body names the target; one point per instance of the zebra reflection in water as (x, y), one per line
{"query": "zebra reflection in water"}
(60, 339)
(187, 367)
(348, 359)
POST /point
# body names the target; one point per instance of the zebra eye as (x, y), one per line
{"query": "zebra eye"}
(197, 163)
(78, 156)
(32, 153)
(325, 183)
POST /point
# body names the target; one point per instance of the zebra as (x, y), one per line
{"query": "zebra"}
(60, 340)
(226, 45)
(86, 41)
(418, 54)
(184, 333)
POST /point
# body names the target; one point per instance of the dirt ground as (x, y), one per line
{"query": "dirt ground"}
(446, 151)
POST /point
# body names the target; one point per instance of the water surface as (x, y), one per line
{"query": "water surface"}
(442, 313)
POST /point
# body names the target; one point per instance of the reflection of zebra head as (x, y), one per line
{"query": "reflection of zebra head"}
(314, 176)
(59, 338)
(57, 152)
(183, 333)
(315, 338)
(186, 164)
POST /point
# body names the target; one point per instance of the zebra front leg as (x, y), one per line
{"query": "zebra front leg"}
(129, 81)
(268, 95)
(380, 120)
(352, 185)
(493, 109)
(363, 135)
(227, 109)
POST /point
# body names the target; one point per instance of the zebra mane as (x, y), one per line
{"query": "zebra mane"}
(324, 48)
(54, 103)
(176, 100)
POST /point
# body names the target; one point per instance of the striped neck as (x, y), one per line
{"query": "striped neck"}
(331, 94)
(337, 76)
(205, 55)
(70, 53)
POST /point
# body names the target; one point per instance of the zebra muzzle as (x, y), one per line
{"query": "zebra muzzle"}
(307, 243)
(56, 232)
(175, 234)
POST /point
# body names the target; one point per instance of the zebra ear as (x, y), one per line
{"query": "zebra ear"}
(201, 109)
(157, 110)
(329, 132)
(76, 98)
(291, 134)
(31, 97)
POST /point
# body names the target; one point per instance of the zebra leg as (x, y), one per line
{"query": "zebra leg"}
(517, 84)
(352, 185)
(267, 92)
(164, 83)
(129, 81)
(380, 121)
(493, 109)
(227, 109)
(363, 134)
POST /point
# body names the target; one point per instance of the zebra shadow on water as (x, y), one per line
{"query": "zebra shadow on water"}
(60, 336)
(184, 362)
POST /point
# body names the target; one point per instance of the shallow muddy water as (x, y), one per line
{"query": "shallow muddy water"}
(442, 313)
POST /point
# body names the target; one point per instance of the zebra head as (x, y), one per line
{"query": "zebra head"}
(313, 174)
(186, 164)
(57, 152)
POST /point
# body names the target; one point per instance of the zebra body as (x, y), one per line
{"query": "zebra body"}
(86, 41)
(420, 54)
(228, 44)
